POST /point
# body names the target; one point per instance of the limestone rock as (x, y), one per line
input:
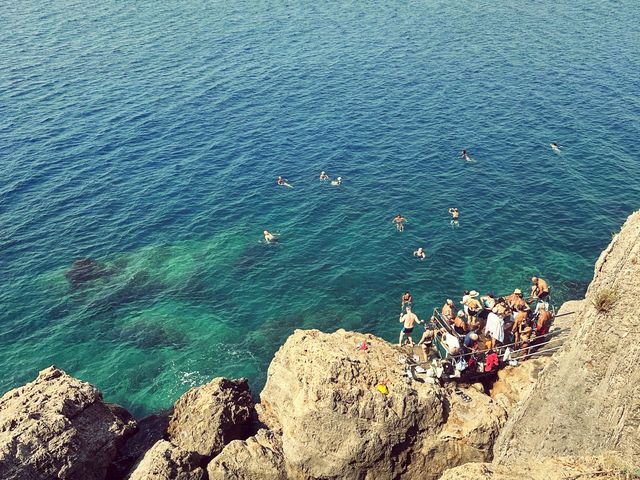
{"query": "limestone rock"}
(321, 398)
(59, 427)
(258, 458)
(588, 398)
(206, 418)
(150, 430)
(165, 461)
(608, 466)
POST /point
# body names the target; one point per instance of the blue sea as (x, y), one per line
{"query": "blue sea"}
(148, 136)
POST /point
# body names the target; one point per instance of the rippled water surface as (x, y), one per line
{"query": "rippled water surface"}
(148, 136)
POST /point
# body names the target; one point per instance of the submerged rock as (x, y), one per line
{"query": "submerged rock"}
(84, 270)
(206, 418)
(59, 427)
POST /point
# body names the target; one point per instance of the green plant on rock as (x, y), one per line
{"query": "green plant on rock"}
(604, 299)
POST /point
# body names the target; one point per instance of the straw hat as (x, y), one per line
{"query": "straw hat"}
(473, 294)
(517, 291)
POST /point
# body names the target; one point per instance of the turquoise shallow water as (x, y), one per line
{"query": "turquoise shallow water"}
(149, 137)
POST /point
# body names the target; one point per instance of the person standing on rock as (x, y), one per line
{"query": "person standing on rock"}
(408, 320)
(539, 289)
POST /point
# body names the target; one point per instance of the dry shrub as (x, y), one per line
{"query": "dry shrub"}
(604, 299)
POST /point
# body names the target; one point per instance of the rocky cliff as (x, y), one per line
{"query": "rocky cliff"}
(59, 427)
(587, 400)
(327, 419)
(330, 410)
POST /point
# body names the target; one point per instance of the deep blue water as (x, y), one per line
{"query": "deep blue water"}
(148, 136)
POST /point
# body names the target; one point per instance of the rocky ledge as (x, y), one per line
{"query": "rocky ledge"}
(325, 414)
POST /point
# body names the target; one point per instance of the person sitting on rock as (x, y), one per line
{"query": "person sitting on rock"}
(470, 342)
(408, 320)
(539, 289)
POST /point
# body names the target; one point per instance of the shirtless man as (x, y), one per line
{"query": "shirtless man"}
(420, 253)
(323, 176)
(555, 147)
(399, 221)
(406, 301)
(539, 289)
(515, 300)
(448, 310)
(465, 156)
(544, 321)
(454, 213)
(408, 319)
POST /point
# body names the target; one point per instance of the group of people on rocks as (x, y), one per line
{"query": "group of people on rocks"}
(483, 323)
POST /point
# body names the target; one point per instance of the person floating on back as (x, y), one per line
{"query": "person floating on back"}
(323, 176)
(337, 182)
(408, 320)
(269, 237)
(555, 147)
(399, 220)
(284, 182)
(420, 253)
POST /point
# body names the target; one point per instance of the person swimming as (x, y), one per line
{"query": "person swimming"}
(337, 181)
(269, 237)
(420, 253)
(284, 182)
(399, 220)
(323, 176)
(455, 214)
(465, 156)
(555, 147)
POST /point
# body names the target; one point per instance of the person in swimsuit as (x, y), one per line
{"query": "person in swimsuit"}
(283, 182)
(399, 221)
(420, 253)
(406, 301)
(408, 320)
(465, 156)
(337, 182)
(539, 289)
(269, 237)
(323, 176)
(555, 147)
(455, 214)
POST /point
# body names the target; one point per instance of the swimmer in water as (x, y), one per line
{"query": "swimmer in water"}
(465, 156)
(399, 221)
(284, 183)
(455, 214)
(269, 237)
(323, 176)
(420, 253)
(555, 147)
(336, 182)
